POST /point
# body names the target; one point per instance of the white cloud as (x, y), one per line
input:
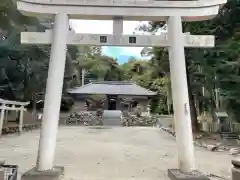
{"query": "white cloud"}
(101, 27)
(106, 27)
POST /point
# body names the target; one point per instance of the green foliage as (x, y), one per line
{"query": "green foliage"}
(146, 74)
(97, 65)
(24, 66)
(207, 69)
(217, 67)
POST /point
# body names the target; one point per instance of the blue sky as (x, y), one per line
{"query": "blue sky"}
(106, 27)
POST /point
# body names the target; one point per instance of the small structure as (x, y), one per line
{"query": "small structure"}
(221, 116)
(119, 95)
(6, 106)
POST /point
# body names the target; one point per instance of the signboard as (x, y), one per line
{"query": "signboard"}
(123, 40)
(132, 40)
(103, 39)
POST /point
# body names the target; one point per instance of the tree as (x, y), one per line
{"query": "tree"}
(103, 67)
(207, 69)
(25, 66)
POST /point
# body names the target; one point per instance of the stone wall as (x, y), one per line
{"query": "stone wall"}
(144, 103)
(166, 121)
(105, 105)
(78, 106)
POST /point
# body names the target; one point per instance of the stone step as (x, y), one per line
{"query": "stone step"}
(112, 122)
(229, 135)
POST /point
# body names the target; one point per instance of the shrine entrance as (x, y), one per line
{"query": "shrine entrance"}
(173, 13)
(112, 102)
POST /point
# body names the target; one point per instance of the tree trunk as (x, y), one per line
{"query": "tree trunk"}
(193, 110)
(83, 76)
(169, 108)
(25, 83)
(197, 105)
(34, 106)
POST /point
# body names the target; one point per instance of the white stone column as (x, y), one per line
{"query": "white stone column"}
(117, 28)
(20, 125)
(47, 143)
(83, 76)
(2, 118)
(182, 118)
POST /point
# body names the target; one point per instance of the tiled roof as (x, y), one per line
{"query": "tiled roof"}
(112, 88)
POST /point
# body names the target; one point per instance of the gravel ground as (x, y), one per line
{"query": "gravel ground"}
(116, 153)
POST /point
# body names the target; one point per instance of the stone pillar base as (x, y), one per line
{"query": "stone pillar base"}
(1, 173)
(56, 173)
(175, 174)
(235, 170)
(235, 173)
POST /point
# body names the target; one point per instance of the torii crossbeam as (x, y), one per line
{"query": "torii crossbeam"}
(204, 41)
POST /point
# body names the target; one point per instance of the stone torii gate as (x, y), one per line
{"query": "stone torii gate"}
(16, 106)
(173, 13)
(117, 39)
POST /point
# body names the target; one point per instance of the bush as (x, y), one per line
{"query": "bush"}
(67, 103)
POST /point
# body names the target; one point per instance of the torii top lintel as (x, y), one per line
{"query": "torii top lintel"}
(156, 10)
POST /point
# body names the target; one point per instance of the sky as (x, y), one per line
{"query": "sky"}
(106, 27)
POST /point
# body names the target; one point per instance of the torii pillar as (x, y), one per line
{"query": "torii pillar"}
(180, 95)
(53, 94)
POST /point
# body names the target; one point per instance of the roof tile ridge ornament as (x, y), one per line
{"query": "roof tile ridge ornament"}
(112, 82)
(148, 90)
(133, 81)
(97, 82)
(76, 87)
(92, 81)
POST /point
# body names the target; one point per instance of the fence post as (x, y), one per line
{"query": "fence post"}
(1, 173)
(2, 107)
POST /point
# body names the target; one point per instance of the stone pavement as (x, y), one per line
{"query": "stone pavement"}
(116, 153)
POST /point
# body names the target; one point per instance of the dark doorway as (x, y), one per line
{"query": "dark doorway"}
(112, 103)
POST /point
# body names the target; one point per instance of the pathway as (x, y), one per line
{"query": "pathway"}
(115, 153)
